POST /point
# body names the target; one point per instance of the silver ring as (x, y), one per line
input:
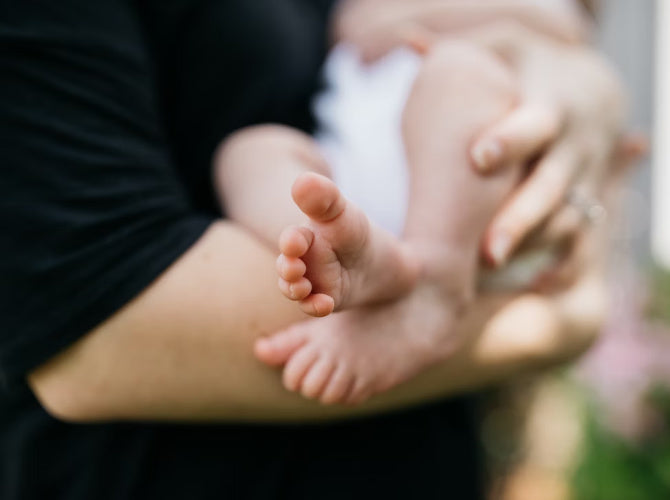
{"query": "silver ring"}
(590, 209)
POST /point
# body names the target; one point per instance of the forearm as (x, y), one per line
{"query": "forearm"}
(375, 27)
(183, 346)
(183, 349)
(557, 19)
(378, 26)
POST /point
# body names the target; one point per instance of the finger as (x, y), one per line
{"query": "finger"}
(561, 227)
(540, 194)
(631, 149)
(518, 138)
(566, 271)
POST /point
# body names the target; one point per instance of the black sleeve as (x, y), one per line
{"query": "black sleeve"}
(235, 63)
(90, 209)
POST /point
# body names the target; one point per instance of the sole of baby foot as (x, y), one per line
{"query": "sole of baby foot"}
(339, 259)
(352, 356)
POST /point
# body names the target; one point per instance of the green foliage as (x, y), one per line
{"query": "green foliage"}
(612, 468)
(658, 306)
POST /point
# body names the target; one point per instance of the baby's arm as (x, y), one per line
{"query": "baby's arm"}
(271, 180)
(254, 170)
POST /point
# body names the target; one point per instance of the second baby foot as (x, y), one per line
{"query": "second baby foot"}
(353, 355)
(339, 258)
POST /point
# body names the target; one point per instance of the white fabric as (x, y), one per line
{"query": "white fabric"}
(359, 117)
(359, 132)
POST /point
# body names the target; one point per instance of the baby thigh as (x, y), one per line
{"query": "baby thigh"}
(460, 91)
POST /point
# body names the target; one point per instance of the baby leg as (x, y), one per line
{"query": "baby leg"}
(331, 255)
(460, 90)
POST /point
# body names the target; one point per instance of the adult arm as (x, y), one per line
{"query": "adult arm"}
(377, 27)
(183, 349)
(94, 219)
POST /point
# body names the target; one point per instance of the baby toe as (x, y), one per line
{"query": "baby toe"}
(318, 305)
(290, 268)
(295, 241)
(316, 379)
(339, 386)
(318, 197)
(296, 290)
(277, 349)
(360, 393)
(298, 366)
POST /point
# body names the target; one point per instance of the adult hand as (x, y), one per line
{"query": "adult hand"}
(570, 117)
(582, 248)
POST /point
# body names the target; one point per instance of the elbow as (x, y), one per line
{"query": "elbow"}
(61, 407)
(63, 395)
(58, 402)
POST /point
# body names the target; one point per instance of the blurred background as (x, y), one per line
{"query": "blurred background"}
(600, 430)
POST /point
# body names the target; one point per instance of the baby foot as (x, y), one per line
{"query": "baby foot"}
(339, 259)
(351, 356)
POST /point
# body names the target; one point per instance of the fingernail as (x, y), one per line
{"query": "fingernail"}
(500, 247)
(486, 154)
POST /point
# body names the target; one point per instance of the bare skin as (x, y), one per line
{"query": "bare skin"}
(339, 251)
(337, 278)
(191, 351)
(339, 259)
(182, 350)
(335, 363)
(544, 42)
(336, 259)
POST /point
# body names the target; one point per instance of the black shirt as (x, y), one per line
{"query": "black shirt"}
(109, 113)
